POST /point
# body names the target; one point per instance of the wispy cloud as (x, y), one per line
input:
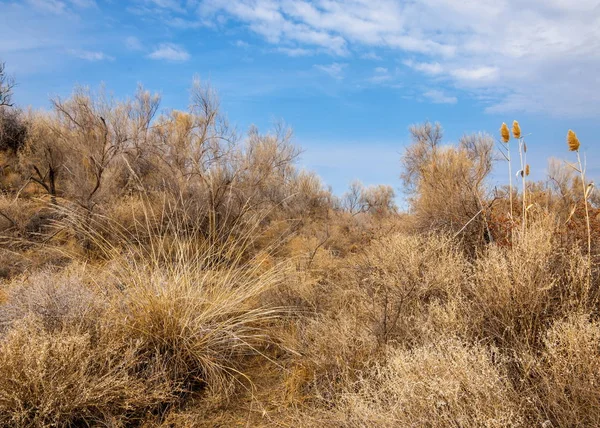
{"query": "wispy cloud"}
(53, 6)
(380, 75)
(430, 68)
(92, 56)
(438, 97)
(476, 74)
(371, 56)
(174, 5)
(335, 70)
(482, 47)
(84, 3)
(170, 52)
(296, 52)
(133, 44)
(241, 44)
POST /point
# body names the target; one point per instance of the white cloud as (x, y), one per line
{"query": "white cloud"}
(52, 6)
(241, 44)
(479, 74)
(170, 52)
(167, 4)
(438, 97)
(296, 52)
(372, 56)
(182, 24)
(84, 3)
(91, 56)
(381, 75)
(430, 68)
(133, 43)
(530, 51)
(335, 70)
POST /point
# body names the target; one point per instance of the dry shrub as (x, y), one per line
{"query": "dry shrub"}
(16, 216)
(449, 384)
(515, 293)
(13, 130)
(569, 373)
(73, 376)
(446, 183)
(55, 300)
(377, 200)
(63, 363)
(333, 351)
(401, 277)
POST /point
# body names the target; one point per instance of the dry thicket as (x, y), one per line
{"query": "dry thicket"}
(160, 268)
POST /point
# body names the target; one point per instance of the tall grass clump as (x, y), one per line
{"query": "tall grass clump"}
(148, 322)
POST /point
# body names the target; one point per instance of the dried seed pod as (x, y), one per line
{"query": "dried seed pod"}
(573, 141)
(504, 133)
(516, 129)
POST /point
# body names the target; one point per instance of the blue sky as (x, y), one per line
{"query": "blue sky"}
(349, 76)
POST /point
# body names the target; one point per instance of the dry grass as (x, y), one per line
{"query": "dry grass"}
(445, 384)
(569, 373)
(107, 344)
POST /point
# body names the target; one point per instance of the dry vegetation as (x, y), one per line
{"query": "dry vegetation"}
(160, 269)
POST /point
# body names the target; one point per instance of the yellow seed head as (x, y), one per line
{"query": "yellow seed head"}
(504, 133)
(527, 170)
(516, 130)
(573, 141)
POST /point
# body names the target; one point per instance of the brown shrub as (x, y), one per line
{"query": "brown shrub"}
(74, 376)
(569, 373)
(400, 277)
(515, 293)
(444, 384)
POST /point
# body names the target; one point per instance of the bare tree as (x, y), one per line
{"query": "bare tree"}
(378, 200)
(7, 84)
(445, 183)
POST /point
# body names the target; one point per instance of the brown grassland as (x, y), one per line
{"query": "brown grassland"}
(158, 268)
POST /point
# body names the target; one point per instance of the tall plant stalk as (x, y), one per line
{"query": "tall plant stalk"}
(574, 146)
(516, 130)
(505, 134)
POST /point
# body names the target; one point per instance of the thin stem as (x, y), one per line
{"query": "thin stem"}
(524, 183)
(587, 214)
(510, 188)
(523, 180)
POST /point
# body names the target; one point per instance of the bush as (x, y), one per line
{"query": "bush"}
(569, 373)
(13, 130)
(443, 384)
